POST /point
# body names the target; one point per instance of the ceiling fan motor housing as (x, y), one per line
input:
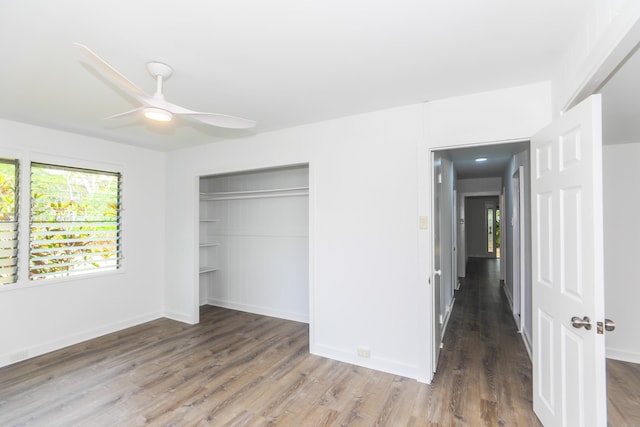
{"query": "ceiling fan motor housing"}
(159, 69)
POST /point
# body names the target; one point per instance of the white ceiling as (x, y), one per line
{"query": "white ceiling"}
(620, 125)
(498, 158)
(282, 63)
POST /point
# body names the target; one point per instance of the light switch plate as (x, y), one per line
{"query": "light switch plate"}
(423, 222)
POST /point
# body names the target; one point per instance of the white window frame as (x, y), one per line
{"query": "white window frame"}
(85, 268)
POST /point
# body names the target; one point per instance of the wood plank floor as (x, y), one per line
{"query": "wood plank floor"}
(623, 393)
(241, 369)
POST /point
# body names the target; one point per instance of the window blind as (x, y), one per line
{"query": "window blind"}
(8, 221)
(74, 221)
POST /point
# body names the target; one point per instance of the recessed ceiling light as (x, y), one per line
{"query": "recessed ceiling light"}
(157, 114)
(481, 159)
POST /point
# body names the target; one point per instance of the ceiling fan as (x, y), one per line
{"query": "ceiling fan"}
(155, 107)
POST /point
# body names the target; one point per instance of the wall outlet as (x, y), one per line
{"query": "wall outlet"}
(364, 352)
(16, 357)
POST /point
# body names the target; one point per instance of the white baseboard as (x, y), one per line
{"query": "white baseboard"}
(180, 317)
(18, 355)
(527, 343)
(447, 315)
(505, 289)
(372, 362)
(264, 311)
(526, 339)
(623, 355)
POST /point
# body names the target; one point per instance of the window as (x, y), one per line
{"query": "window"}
(8, 221)
(75, 221)
(490, 230)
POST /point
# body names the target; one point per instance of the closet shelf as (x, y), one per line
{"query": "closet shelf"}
(209, 220)
(207, 245)
(206, 269)
(255, 194)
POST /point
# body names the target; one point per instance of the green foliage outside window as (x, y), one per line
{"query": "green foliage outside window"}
(8, 221)
(74, 221)
(7, 191)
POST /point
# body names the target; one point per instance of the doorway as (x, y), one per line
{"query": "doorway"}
(474, 197)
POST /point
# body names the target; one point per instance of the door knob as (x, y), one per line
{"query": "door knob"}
(585, 322)
(609, 325)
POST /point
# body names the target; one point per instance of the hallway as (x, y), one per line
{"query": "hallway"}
(484, 373)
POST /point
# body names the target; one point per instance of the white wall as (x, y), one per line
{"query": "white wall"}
(621, 236)
(46, 315)
(363, 229)
(369, 182)
(479, 186)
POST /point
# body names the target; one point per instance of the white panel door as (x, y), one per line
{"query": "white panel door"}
(569, 377)
(437, 258)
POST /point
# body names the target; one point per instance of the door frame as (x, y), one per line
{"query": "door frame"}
(435, 275)
(494, 207)
(435, 338)
(518, 266)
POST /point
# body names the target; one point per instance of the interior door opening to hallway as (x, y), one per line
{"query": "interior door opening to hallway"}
(516, 257)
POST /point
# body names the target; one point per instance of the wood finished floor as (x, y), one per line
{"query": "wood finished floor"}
(240, 369)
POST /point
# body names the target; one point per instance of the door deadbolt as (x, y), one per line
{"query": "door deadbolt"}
(609, 325)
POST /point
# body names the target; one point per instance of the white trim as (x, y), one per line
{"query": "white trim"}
(619, 40)
(447, 316)
(180, 317)
(527, 344)
(256, 309)
(623, 355)
(196, 259)
(37, 350)
(373, 362)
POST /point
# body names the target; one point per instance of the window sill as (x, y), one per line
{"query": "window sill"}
(28, 284)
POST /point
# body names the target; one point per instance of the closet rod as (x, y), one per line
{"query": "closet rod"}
(254, 196)
(243, 192)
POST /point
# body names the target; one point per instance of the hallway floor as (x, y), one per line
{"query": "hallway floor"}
(484, 367)
(485, 360)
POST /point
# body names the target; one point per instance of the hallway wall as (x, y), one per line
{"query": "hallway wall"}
(621, 237)
(520, 159)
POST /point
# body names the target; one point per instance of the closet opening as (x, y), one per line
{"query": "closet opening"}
(253, 241)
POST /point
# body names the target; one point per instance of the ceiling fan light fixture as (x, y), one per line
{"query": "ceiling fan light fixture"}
(157, 114)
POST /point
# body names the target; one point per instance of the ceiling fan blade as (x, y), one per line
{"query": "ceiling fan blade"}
(213, 119)
(126, 113)
(125, 83)
(220, 120)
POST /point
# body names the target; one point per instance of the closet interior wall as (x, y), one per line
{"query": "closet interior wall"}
(254, 242)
